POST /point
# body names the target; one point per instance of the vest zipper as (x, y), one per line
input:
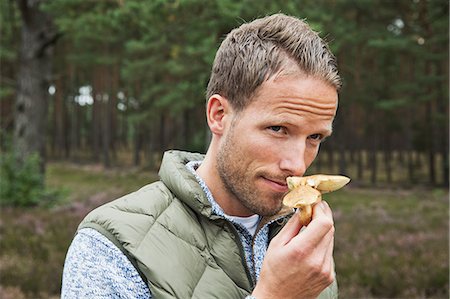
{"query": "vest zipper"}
(251, 277)
(261, 225)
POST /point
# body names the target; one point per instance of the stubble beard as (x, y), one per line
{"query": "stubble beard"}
(238, 182)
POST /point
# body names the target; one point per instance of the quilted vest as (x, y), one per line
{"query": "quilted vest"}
(169, 233)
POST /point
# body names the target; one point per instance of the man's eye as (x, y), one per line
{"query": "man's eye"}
(276, 128)
(316, 137)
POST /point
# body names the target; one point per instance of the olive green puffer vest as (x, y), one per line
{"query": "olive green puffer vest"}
(168, 231)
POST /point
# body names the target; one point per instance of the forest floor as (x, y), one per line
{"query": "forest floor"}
(389, 243)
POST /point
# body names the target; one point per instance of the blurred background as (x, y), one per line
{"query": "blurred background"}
(93, 92)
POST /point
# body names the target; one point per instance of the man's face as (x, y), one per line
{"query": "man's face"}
(277, 135)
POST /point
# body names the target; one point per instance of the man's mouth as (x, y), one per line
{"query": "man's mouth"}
(278, 185)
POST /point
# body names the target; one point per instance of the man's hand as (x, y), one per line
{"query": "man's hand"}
(299, 265)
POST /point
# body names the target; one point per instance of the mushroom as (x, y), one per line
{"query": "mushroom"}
(307, 191)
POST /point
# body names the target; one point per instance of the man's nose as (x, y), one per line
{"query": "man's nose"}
(293, 160)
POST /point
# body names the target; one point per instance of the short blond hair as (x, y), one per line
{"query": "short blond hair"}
(255, 51)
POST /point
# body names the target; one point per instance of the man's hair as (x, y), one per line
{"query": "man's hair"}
(255, 51)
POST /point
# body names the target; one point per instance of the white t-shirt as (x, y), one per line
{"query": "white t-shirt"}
(250, 222)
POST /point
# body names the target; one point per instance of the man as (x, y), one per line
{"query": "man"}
(214, 226)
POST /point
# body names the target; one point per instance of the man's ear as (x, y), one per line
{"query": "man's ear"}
(218, 113)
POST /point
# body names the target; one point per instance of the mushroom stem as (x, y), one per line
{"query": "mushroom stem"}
(305, 214)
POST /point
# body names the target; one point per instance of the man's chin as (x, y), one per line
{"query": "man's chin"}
(267, 211)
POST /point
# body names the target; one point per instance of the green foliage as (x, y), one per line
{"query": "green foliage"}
(166, 47)
(393, 58)
(22, 184)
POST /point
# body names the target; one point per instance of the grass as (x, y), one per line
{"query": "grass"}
(389, 243)
(81, 182)
(34, 241)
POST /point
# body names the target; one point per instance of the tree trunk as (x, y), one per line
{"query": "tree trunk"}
(59, 113)
(373, 149)
(105, 117)
(185, 126)
(106, 134)
(137, 145)
(373, 163)
(360, 164)
(430, 105)
(430, 121)
(97, 94)
(115, 78)
(388, 158)
(37, 40)
(162, 132)
(330, 159)
(442, 109)
(411, 175)
(342, 160)
(408, 124)
(69, 111)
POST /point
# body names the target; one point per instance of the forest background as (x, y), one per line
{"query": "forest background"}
(93, 92)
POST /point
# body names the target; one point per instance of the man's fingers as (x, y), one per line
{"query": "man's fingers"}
(328, 259)
(329, 254)
(324, 207)
(290, 230)
(320, 229)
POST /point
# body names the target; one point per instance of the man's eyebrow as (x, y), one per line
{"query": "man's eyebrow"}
(325, 134)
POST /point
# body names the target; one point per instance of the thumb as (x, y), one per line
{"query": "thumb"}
(290, 230)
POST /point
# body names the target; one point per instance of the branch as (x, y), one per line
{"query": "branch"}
(50, 41)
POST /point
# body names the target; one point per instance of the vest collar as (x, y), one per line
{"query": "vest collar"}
(183, 183)
(175, 175)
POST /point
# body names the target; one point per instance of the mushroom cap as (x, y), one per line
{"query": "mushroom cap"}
(301, 196)
(332, 183)
(322, 182)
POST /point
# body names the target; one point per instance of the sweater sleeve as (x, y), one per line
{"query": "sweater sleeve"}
(96, 268)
